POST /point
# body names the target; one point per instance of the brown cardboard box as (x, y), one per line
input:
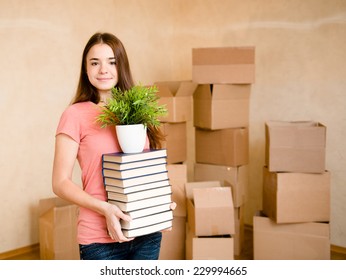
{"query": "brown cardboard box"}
(175, 143)
(295, 146)
(298, 241)
(217, 247)
(210, 208)
(223, 65)
(190, 208)
(217, 106)
(58, 229)
(177, 174)
(208, 248)
(173, 242)
(177, 96)
(296, 197)
(235, 177)
(222, 147)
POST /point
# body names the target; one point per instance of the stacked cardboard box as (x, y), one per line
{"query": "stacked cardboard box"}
(177, 97)
(173, 242)
(294, 222)
(58, 229)
(221, 120)
(210, 221)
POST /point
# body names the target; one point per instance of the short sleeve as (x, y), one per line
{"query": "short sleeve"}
(70, 124)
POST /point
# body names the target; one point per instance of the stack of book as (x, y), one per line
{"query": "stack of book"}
(139, 185)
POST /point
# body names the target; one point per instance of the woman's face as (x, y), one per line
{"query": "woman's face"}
(101, 68)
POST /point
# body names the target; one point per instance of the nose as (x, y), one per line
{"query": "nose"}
(103, 68)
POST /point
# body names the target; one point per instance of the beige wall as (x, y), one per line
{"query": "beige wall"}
(300, 74)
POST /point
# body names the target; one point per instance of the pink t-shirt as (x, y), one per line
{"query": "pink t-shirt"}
(78, 121)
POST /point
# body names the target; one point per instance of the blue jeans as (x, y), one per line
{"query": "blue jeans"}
(145, 247)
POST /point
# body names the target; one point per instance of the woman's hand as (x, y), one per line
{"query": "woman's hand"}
(113, 216)
(172, 206)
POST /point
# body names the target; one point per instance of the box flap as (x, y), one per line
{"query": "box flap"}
(213, 197)
(176, 88)
(275, 123)
(234, 92)
(213, 211)
(203, 92)
(167, 89)
(222, 92)
(192, 185)
(265, 224)
(295, 134)
(187, 88)
(235, 177)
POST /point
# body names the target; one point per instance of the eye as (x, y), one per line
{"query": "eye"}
(94, 63)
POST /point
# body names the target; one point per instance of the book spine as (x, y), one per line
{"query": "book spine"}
(141, 171)
(129, 198)
(137, 180)
(125, 158)
(143, 203)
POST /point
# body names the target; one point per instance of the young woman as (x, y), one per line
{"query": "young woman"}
(104, 65)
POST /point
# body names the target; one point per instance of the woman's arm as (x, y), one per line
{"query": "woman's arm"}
(64, 159)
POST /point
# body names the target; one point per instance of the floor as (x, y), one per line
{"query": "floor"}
(247, 252)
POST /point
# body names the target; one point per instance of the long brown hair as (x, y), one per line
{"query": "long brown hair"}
(87, 92)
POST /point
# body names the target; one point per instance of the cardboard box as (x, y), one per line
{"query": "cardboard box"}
(58, 230)
(177, 174)
(177, 96)
(235, 177)
(173, 242)
(223, 65)
(222, 147)
(210, 208)
(208, 248)
(221, 106)
(296, 197)
(299, 241)
(176, 141)
(295, 146)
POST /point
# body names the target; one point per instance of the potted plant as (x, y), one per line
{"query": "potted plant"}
(133, 111)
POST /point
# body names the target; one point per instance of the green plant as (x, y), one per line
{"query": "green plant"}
(138, 105)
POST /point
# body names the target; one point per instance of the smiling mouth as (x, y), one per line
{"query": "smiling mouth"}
(103, 79)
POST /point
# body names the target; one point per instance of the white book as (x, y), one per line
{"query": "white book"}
(134, 172)
(136, 180)
(134, 164)
(143, 203)
(147, 220)
(137, 188)
(130, 157)
(149, 210)
(129, 233)
(139, 195)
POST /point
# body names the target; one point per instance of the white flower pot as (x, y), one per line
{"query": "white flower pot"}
(132, 137)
